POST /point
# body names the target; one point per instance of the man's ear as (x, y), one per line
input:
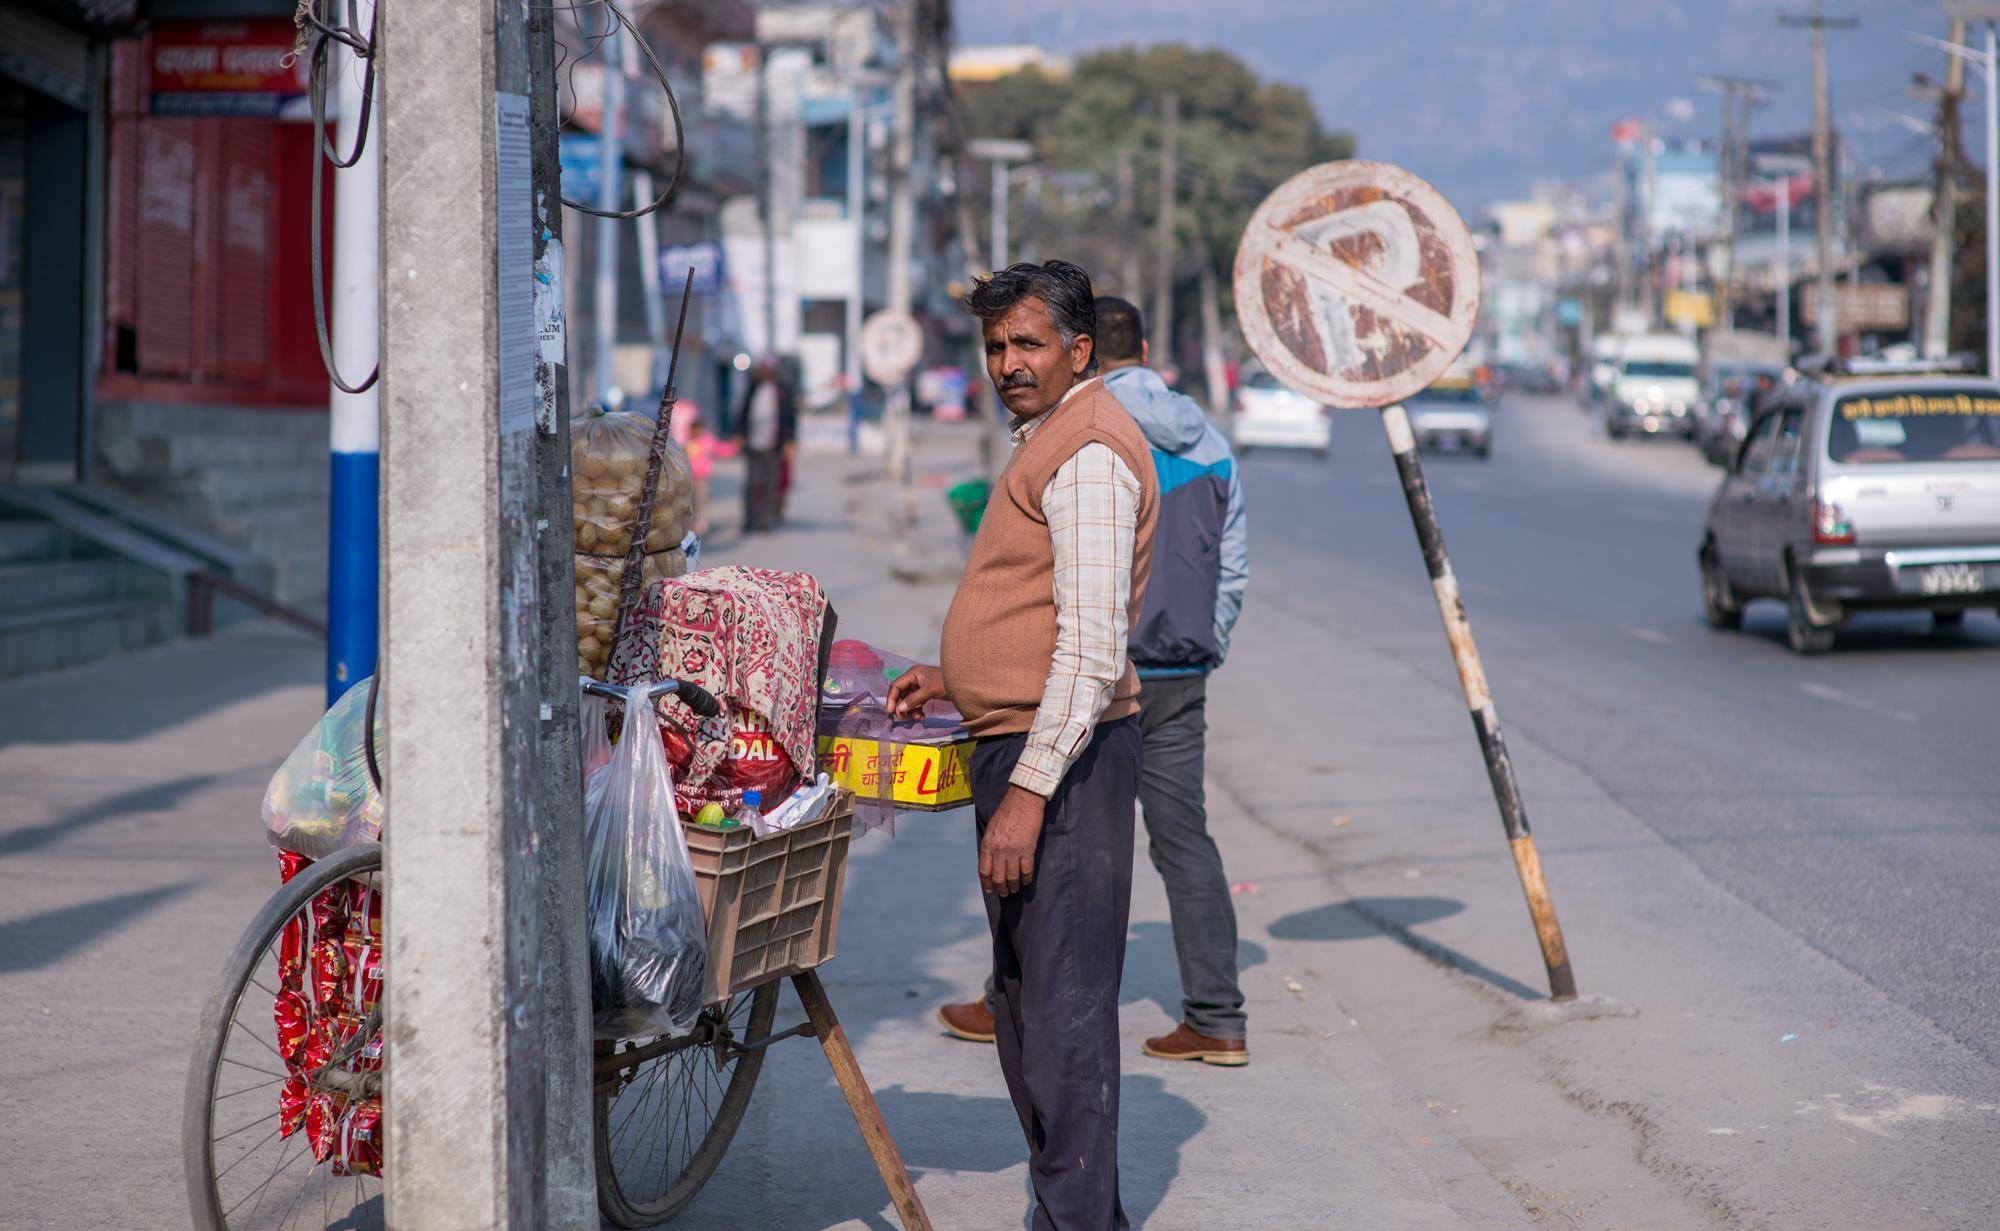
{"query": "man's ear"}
(1145, 353)
(1080, 352)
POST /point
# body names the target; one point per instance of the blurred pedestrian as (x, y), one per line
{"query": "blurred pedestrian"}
(703, 451)
(766, 428)
(1201, 565)
(1035, 658)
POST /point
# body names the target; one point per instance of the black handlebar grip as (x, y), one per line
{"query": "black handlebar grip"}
(698, 699)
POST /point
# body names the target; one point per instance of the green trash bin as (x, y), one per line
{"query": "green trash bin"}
(968, 501)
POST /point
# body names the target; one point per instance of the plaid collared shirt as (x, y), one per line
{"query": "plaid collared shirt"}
(1092, 505)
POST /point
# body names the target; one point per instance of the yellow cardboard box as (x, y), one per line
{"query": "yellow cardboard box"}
(927, 777)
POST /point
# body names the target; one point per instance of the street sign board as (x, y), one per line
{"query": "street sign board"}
(1356, 284)
(227, 68)
(891, 345)
(705, 258)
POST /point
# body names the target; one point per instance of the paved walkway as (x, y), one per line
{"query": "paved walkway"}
(131, 855)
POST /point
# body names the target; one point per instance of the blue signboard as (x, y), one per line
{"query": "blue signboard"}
(580, 161)
(1569, 312)
(704, 258)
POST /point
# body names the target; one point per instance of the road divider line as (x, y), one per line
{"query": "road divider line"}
(1826, 692)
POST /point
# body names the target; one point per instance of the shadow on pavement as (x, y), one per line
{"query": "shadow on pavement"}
(49, 937)
(1152, 970)
(101, 703)
(161, 797)
(1364, 918)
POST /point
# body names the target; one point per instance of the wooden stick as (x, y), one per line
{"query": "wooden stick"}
(867, 1116)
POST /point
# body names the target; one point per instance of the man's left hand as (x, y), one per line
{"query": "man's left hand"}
(1007, 852)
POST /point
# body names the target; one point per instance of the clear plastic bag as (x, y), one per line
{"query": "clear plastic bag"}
(597, 582)
(322, 800)
(607, 457)
(648, 938)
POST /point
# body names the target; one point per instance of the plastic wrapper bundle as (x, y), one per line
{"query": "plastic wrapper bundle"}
(322, 800)
(890, 764)
(648, 937)
(329, 986)
(608, 457)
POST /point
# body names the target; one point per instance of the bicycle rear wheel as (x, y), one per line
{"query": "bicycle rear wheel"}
(667, 1108)
(243, 1170)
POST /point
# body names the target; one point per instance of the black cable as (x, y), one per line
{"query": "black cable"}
(673, 106)
(322, 40)
(368, 730)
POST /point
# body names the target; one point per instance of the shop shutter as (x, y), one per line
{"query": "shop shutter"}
(165, 285)
(237, 283)
(121, 244)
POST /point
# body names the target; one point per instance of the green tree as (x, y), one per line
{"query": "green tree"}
(1239, 137)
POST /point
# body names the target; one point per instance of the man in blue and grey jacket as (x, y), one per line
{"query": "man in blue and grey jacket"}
(1201, 564)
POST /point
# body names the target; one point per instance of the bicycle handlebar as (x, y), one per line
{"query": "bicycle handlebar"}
(697, 698)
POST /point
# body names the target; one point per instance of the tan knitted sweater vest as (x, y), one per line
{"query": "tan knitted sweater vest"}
(1000, 634)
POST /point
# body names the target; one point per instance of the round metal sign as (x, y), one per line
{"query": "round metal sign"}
(891, 344)
(1356, 284)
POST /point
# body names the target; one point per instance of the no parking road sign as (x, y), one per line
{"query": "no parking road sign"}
(1356, 284)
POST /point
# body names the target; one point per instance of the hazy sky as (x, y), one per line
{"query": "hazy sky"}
(1483, 96)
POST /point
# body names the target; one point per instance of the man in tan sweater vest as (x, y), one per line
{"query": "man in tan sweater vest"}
(1034, 656)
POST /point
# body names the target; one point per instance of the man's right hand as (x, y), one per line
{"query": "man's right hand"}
(912, 689)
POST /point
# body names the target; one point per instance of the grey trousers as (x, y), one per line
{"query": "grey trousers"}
(1173, 717)
(1173, 714)
(762, 469)
(1058, 957)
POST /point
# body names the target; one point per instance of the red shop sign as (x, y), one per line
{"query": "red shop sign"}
(226, 68)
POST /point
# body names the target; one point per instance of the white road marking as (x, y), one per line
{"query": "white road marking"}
(1653, 635)
(1827, 693)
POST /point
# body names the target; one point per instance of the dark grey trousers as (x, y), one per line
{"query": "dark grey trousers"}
(1173, 717)
(762, 470)
(1058, 956)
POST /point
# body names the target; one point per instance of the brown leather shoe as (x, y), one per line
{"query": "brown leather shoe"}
(1185, 1044)
(972, 1021)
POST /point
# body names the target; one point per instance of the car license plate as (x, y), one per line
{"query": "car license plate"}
(1951, 579)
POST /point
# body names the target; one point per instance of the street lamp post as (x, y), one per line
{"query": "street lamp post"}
(1984, 60)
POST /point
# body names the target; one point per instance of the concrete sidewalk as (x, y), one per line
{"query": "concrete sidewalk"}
(1314, 1133)
(131, 856)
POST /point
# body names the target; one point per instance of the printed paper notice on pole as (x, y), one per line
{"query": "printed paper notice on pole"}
(1356, 284)
(513, 157)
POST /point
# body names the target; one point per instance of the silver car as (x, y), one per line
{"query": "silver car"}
(1455, 413)
(1854, 493)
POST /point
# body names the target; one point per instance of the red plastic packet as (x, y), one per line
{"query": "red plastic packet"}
(329, 910)
(292, 1098)
(292, 1020)
(755, 762)
(358, 1144)
(290, 865)
(368, 1057)
(329, 976)
(292, 955)
(323, 1108)
(364, 973)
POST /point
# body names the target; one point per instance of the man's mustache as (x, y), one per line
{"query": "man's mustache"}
(1017, 380)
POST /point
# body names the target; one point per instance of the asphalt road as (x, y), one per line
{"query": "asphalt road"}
(1746, 842)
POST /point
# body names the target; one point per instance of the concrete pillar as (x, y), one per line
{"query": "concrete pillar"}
(465, 1094)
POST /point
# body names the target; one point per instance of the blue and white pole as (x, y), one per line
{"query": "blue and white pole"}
(353, 543)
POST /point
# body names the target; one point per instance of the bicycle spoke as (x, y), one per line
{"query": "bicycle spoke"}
(243, 1128)
(261, 1040)
(262, 1085)
(246, 1154)
(261, 1187)
(253, 1068)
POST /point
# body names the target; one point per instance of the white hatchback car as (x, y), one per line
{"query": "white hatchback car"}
(1270, 416)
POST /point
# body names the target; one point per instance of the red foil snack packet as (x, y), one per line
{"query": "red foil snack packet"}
(322, 1041)
(329, 975)
(367, 1057)
(323, 1110)
(755, 761)
(329, 910)
(293, 1020)
(364, 921)
(290, 865)
(292, 954)
(292, 1097)
(364, 974)
(358, 1146)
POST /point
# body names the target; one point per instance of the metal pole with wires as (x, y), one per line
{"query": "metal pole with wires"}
(342, 61)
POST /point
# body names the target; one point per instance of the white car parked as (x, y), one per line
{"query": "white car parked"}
(1270, 416)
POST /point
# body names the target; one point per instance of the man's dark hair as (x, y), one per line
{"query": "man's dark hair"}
(1064, 287)
(1121, 331)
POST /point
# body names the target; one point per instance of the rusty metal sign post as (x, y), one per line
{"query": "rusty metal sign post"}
(1357, 285)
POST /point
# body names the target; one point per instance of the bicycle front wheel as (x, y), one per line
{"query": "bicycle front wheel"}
(246, 1144)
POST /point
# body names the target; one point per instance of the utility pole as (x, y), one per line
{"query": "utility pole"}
(1944, 223)
(767, 204)
(610, 177)
(857, 203)
(1648, 187)
(1163, 274)
(1003, 179)
(1784, 188)
(559, 851)
(460, 660)
(1128, 258)
(355, 422)
(1819, 24)
(902, 230)
(1749, 92)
